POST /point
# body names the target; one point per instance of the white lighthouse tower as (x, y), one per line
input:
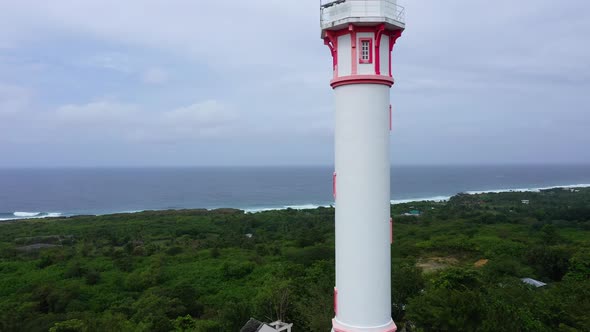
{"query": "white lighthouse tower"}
(361, 35)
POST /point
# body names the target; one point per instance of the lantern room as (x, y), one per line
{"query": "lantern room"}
(337, 14)
(361, 35)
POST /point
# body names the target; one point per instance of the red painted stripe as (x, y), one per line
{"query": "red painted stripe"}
(392, 39)
(332, 42)
(390, 120)
(378, 34)
(353, 51)
(335, 301)
(334, 185)
(390, 49)
(391, 230)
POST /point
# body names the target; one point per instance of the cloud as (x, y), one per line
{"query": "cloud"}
(129, 122)
(155, 76)
(13, 99)
(209, 114)
(202, 30)
(98, 114)
(5, 45)
(127, 64)
(204, 120)
(115, 61)
(256, 73)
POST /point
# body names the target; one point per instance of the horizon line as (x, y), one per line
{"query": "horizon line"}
(286, 166)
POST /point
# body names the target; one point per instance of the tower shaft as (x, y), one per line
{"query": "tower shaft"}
(362, 207)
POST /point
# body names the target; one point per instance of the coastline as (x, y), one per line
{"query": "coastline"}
(21, 216)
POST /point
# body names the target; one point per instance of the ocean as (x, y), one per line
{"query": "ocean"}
(38, 193)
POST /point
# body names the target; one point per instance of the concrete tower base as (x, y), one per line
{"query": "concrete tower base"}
(338, 327)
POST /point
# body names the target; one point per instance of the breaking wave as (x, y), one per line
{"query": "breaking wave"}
(28, 215)
(537, 189)
(285, 207)
(422, 199)
(497, 191)
(439, 198)
(256, 209)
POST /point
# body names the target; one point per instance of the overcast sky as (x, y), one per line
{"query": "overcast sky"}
(195, 82)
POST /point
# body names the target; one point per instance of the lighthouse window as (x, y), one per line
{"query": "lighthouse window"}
(366, 55)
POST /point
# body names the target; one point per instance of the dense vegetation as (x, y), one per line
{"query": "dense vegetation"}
(456, 267)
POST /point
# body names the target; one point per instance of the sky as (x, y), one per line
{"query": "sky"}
(203, 83)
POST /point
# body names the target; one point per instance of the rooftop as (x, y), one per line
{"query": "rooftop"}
(533, 282)
(337, 14)
(254, 325)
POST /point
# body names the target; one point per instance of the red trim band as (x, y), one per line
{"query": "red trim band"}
(339, 327)
(362, 79)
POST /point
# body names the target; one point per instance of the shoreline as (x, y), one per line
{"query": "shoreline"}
(440, 198)
(20, 216)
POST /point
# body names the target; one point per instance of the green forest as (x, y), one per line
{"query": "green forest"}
(456, 266)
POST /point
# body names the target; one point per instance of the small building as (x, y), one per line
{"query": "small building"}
(254, 325)
(533, 282)
(249, 235)
(413, 213)
(525, 201)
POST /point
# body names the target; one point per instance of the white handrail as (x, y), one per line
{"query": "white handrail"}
(334, 10)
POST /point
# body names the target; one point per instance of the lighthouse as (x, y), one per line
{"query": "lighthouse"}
(361, 35)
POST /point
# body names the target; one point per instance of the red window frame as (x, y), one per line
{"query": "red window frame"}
(370, 60)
